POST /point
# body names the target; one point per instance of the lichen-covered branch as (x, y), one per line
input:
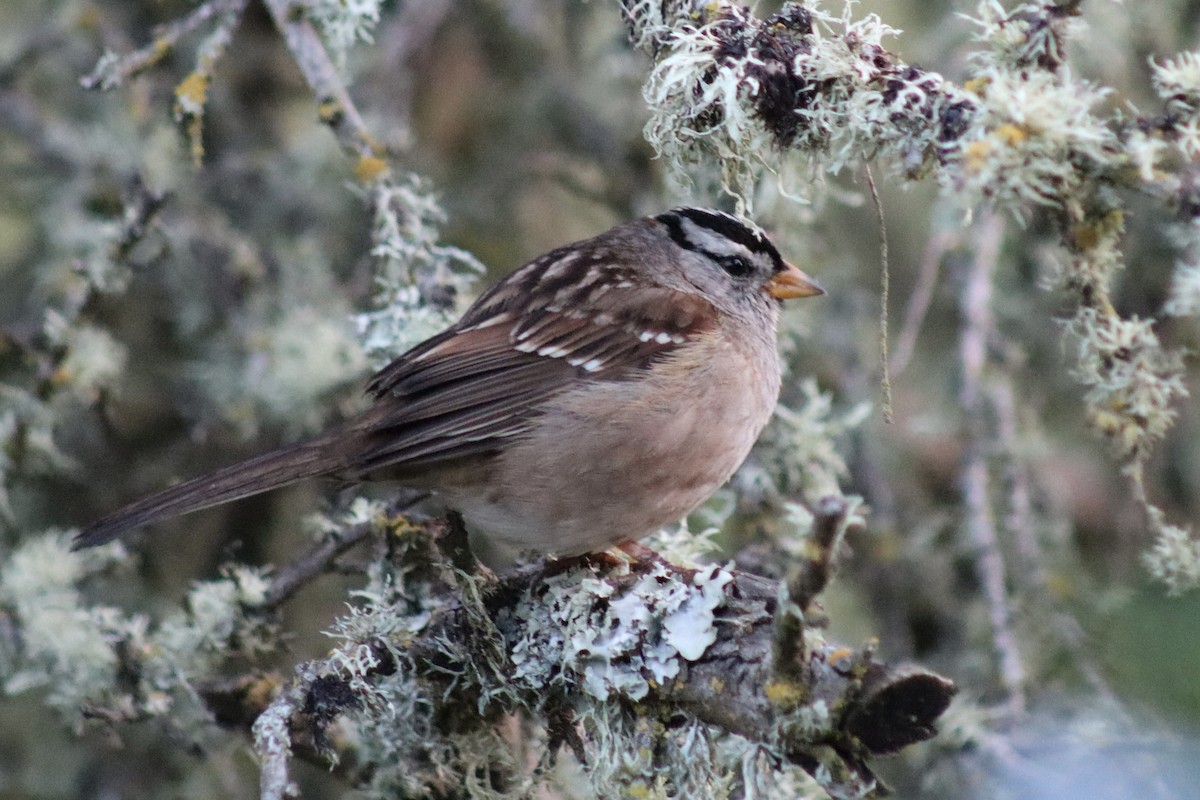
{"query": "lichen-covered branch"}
(191, 95)
(273, 738)
(296, 24)
(335, 106)
(623, 650)
(975, 342)
(114, 69)
(365, 519)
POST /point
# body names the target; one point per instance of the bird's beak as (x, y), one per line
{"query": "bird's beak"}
(792, 283)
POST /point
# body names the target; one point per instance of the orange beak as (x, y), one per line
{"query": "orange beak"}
(792, 283)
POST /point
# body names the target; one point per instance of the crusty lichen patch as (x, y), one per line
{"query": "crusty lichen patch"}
(614, 638)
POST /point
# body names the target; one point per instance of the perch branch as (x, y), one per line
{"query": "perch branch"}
(829, 715)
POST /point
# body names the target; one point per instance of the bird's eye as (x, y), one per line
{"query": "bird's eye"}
(736, 266)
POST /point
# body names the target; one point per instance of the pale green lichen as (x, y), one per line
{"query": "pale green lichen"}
(1027, 34)
(633, 755)
(798, 519)
(1037, 134)
(344, 23)
(66, 648)
(192, 642)
(360, 511)
(1184, 300)
(390, 608)
(75, 360)
(1132, 381)
(1174, 558)
(27, 424)
(285, 354)
(106, 74)
(604, 639)
(387, 608)
(92, 360)
(685, 546)
(420, 281)
(104, 662)
(801, 448)
(807, 722)
(710, 100)
(295, 360)
(395, 728)
(764, 777)
(678, 129)
(1034, 139)
(1146, 152)
(1177, 80)
(615, 641)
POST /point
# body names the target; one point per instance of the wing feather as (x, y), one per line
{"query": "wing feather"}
(478, 384)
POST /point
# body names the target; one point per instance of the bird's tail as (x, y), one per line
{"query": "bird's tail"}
(260, 474)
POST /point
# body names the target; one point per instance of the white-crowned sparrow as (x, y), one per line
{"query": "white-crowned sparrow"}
(600, 392)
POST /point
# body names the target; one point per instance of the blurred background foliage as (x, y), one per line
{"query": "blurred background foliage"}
(227, 328)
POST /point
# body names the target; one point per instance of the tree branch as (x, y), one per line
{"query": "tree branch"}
(975, 340)
(484, 656)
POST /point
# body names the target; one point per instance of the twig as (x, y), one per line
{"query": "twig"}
(337, 109)
(831, 515)
(977, 329)
(1018, 520)
(335, 106)
(885, 292)
(142, 204)
(319, 559)
(1020, 524)
(111, 73)
(809, 579)
(272, 735)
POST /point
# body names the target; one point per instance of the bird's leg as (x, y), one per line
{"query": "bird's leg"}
(640, 555)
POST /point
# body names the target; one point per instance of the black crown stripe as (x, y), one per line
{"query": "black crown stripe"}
(723, 224)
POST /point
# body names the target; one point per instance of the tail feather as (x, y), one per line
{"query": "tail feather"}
(261, 474)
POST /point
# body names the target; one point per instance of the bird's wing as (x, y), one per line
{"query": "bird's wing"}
(474, 386)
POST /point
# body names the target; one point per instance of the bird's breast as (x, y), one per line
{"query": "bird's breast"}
(613, 460)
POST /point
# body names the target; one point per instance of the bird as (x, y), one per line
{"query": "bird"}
(595, 395)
